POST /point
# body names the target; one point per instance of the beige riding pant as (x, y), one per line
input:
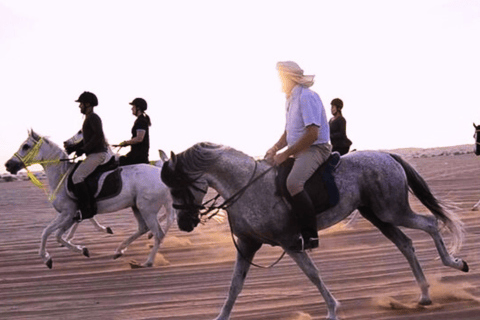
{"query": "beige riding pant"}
(306, 163)
(91, 162)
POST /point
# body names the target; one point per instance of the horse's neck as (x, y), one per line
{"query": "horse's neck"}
(55, 171)
(232, 174)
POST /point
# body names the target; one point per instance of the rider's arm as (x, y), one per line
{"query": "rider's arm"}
(307, 139)
(137, 139)
(281, 143)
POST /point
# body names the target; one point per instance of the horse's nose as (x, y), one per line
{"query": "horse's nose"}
(11, 166)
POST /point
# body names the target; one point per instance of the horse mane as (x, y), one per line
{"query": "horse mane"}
(198, 158)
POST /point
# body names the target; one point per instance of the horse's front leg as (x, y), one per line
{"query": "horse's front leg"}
(67, 243)
(476, 207)
(100, 227)
(73, 229)
(242, 265)
(60, 220)
(305, 263)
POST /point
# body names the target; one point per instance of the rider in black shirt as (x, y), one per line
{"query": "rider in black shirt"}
(140, 141)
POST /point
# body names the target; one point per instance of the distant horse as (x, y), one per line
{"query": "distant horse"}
(375, 183)
(142, 190)
(476, 136)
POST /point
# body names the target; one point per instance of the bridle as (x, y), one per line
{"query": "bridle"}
(29, 159)
(192, 207)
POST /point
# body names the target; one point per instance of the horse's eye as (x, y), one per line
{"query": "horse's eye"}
(25, 147)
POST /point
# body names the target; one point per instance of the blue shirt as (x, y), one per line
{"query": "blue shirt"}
(304, 108)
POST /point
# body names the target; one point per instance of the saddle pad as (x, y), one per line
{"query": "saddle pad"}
(112, 182)
(321, 186)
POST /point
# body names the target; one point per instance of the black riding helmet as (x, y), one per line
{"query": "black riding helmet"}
(139, 103)
(88, 97)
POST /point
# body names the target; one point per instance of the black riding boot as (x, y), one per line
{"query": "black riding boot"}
(86, 203)
(303, 208)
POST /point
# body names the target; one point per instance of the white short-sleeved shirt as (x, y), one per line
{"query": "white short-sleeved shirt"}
(304, 108)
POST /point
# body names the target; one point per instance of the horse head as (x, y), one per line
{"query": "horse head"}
(74, 143)
(28, 152)
(477, 139)
(187, 193)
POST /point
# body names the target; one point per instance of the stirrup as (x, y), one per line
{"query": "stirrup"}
(311, 244)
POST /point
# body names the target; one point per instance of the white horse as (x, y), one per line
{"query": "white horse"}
(71, 145)
(142, 190)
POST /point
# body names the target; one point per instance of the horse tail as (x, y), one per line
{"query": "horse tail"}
(443, 211)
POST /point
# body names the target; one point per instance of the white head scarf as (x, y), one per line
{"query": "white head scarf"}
(294, 72)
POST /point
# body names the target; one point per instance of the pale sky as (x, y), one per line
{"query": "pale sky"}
(408, 71)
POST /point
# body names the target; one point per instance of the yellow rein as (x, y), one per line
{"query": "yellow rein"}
(29, 159)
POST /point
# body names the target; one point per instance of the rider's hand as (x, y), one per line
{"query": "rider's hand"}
(79, 152)
(280, 158)
(123, 144)
(270, 155)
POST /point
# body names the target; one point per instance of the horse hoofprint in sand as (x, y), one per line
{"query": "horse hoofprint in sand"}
(375, 183)
(142, 190)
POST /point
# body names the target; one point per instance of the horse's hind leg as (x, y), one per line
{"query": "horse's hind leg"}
(245, 253)
(150, 218)
(142, 229)
(404, 244)
(304, 261)
(429, 224)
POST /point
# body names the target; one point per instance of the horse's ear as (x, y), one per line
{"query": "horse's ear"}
(172, 163)
(474, 125)
(163, 155)
(34, 135)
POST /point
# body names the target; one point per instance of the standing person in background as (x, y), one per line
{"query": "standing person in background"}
(338, 128)
(306, 137)
(140, 141)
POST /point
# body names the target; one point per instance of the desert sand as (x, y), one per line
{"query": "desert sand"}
(190, 280)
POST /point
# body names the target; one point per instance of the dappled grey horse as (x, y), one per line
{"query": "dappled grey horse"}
(375, 183)
(142, 190)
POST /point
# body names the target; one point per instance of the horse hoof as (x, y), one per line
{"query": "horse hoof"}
(85, 252)
(117, 255)
(109, 230)
(49, 263)
(425, 302)
(465, 267)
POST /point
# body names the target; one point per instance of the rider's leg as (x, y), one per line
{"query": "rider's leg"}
(303, 208)
(86, 201)
(306, 163)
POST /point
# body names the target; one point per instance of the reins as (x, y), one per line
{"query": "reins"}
(228, 203)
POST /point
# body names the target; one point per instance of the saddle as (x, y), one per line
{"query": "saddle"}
(321, 186)
(104, 183)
